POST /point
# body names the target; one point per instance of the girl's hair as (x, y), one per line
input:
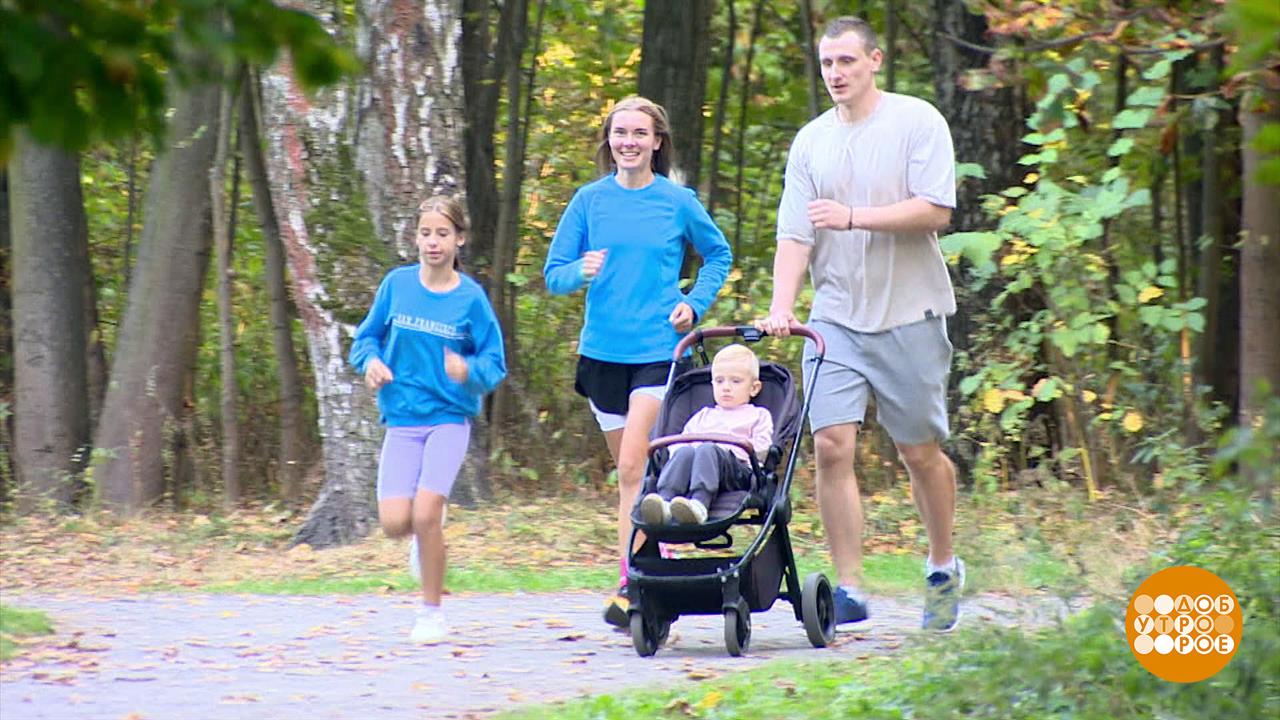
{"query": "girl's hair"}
(450, 207)
(738, 353)
(849, 23)
(664, 158)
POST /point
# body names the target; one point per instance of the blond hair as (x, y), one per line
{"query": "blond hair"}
(738, 353)
(664, 158)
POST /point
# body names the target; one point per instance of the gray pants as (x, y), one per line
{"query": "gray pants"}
(701, 473)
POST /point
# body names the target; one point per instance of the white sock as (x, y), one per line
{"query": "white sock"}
(949, 566)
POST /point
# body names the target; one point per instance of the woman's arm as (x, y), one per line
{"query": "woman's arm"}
(716, 256)
(563, 269)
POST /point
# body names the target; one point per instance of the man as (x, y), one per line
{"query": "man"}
(868, 185)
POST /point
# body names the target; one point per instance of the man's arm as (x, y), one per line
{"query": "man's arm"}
(913, 215)
(789, 265)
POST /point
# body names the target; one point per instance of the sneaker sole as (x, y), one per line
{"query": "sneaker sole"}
(651, 512)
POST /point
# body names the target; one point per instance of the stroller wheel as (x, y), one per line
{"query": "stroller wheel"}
(737, 632)
(648, 635)
(818, 607)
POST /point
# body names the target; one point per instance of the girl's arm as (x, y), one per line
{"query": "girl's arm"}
(716, 256)
(371, 331)
(563, 269)
(488, 366)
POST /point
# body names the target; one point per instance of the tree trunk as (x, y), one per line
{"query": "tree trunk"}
(481, 90)
(292, 430)
(1212, 211)
(50, 271)
(986, 128)
(891, 45)
(6, 345)
(348, 169)
(673, 73)
(813, 76)
(1260, 261)
(743, 105)
(722, 105)
(157, 339)
(226, 323)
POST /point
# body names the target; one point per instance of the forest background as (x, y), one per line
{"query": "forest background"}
(198, 199)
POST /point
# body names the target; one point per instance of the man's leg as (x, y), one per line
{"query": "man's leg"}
(933, 485)
(838, 500)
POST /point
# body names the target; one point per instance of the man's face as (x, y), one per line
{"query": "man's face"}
(847, 68)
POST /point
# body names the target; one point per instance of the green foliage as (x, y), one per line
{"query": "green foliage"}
(17, 624)
(76, 73)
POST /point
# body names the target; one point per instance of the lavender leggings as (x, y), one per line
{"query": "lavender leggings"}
(421, 457)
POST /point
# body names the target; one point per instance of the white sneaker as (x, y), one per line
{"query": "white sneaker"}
(654, 510)
(429, 628)
(415, 562)
(688, 511)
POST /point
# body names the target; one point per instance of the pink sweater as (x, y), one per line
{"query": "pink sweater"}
(749, 422)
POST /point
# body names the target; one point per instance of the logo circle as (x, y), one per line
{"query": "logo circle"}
(1183, 624)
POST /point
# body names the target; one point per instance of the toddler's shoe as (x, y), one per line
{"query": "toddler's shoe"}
(687, 511)
(654, 510)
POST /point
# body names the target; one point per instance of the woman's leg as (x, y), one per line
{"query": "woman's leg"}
(632, 456)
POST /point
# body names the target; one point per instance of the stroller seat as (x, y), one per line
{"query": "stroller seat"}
(692, 391)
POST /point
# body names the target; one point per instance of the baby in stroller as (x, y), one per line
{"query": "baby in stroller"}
(696, 472)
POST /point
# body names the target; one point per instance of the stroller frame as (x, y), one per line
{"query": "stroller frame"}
(660, 590)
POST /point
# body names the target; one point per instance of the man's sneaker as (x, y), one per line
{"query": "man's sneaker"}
(687, 511)
(429, 627)
(849, 609)
(616, 609)
(942, 598)
(654, 510)
(415, 563)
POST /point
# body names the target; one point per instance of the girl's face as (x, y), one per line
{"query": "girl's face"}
(438, 240)
(733, 384)
(632, 140)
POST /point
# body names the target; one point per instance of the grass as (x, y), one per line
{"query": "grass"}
(16, 625)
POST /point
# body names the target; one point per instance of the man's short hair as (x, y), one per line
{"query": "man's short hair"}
(848, 23)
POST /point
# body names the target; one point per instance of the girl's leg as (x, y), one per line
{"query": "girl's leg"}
(428, 525)
(399, 466)
(442, 455)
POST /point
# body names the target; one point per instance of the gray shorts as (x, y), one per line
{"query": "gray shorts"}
(904, 367)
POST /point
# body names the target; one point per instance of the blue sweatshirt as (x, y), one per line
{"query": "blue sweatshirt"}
(409, 327)
(644, 231)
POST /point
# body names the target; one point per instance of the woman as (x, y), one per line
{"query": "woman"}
(623, 238)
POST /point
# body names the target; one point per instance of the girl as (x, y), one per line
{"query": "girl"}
(431, 347)
(623, 238)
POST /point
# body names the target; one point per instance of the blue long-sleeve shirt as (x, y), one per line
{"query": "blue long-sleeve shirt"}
(644, 231)
(408, 328)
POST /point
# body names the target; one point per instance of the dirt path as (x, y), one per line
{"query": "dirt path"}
(160, 657)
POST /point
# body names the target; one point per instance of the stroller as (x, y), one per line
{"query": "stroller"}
(661, 589)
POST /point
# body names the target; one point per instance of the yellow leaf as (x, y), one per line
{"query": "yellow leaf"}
(710, 700)
(993, 400)
(1132, 421)
(1089, 396)
(1030, 178)
(1149, 293)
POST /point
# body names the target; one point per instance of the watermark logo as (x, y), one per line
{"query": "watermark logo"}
(1183, 624)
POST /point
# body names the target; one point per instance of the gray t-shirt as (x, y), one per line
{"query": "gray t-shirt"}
(872, 281)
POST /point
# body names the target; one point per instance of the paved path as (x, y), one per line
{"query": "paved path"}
(188, 657)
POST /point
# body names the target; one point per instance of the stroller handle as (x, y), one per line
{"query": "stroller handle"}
(747, 332)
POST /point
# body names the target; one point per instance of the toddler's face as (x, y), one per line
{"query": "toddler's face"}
(733, 384)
